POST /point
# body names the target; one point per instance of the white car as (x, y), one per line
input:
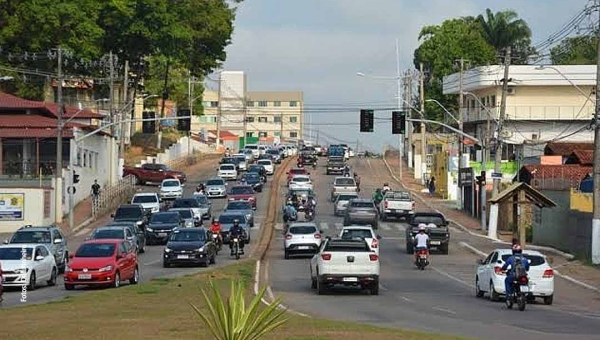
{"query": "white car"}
(249, 155)
(490, 278)
(254, 148)
(171, 189)
(27, 265)
(341, 203)
(302, 238)
(301, 182)
(268, 165)
(216, 187)
(361, 232)
(262, 149)
(345, 262)
(227, 172)
(243, 164)
(350, 153)
(148, 200)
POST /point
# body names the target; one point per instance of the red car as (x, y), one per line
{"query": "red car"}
(105, 262)
(296, 171)
(244, 193)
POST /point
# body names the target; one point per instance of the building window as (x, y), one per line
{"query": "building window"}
(277, 103)
(277, 133)
(214, 104)
(293, 103)
(262, 103)
(250, 103)
(262, 119)
(493, 101)
(250, 134)
(293, 134)
(262, 134)
(277, 119)
(293, 119)
(250, 119)
(208, 119)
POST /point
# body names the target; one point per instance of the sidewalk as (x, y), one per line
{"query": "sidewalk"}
(572, 270)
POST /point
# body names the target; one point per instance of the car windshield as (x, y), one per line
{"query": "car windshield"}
(128, 213)
(170, 184)
(349, 234)
(346, 197)
(239, 205)
(241, 190)
(185, 203)
(534, 260)
(345, 182)
(438, 221)
(302, 230)
(96, 250)
(201, 199)
(187, 236)
(401, 195)
(164, 218)
(31, 237)
(240, 158)
(15, 253)
(360, 204)
(214, 182)
(107, 233)
(264, 162)
(274, 152)
(185, 213)
(252, 147)
(251, 177)
(297, 171)
(227, 167)
(227, 219)
(301, 179)
(145, 199)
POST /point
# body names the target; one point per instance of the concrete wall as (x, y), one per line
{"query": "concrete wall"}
(179, 150)
(582, 201)
(38, 208)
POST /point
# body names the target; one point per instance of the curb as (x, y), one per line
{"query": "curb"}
(81, 225)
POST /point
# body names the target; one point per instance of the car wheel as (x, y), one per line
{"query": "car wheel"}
(32, 281)
(374, 290)
(409, 248)
(286, 254)
(313, 283)
(69, 287)
(383, 217)
(136, 277)
(117, 282)
(478, 292)
(52, 281)
(321, 289)
(548, 299)
(444, 249)
(166, 264)
(205, 263)
(494, 296)
(143, 248)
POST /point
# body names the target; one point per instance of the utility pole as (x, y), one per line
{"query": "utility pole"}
(459, 192)
(245, 131)
(218, 139)
(423, 142)
(596, 210)
(112, 92)
(410, 126)
(122, 111)
(399, 99)
(281, 130)
(498, 133)
(165, 95)
(59, 148)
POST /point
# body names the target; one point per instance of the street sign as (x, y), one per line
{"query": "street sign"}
(496, 175)
(465, 177)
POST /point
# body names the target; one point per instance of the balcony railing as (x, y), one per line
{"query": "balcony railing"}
(531, 113)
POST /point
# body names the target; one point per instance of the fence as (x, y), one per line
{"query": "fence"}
(111, 197)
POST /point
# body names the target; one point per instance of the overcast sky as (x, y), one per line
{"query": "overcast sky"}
(317, 46)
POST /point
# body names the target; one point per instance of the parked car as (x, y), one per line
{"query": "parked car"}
(490, 278)
(253, 179)
(102, 263)
(244, 207)
(50, 236)
(190, 246)
(362, 211)
(149, 201)
(27, 265)
(131, 213)
(153, 173)
(216, 187)
(161, 226)
(227, 172)
(244, 193)
(302, 238)
(187, 215)
(116, 233)
(171, 189)
(361, 232)
(268, 164)
(301, 182)
(226, 220)
(397, 204)
(139, 232)
(205, 205)
(190, 203)
(296, 171)
(341, 203)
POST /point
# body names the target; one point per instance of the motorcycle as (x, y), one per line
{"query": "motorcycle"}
(217, 240)
(421, 261)
(309, 215)
(235, 249)
(519, 296)
(314, 165)
(300, 165)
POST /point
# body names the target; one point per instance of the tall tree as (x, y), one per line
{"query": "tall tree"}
(504, 29)
(580, 50)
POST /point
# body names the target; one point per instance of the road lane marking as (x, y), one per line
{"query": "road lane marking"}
(444, 310)
(82, 232)
(473, 249)
(324, 226)
(465, 283)
(152, 262)
(384, 226)
(406, 299)
(400, 227)
(382, 287)
(339, 225)
(369, 163)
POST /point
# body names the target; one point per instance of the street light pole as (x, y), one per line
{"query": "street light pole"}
(58, 184)
(423, 135)
(596, 210)
(399, 98)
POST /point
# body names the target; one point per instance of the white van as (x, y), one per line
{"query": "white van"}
(254, 148)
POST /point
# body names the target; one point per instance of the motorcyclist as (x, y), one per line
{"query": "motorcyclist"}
(346, 171)
(357, 181)
(294, 199)
(377, 197)
(385, 188)
(421, 240)
(243, 181)
(200, 188)
(215, 228)
(236, 231)
(511, 275)
(289, 211)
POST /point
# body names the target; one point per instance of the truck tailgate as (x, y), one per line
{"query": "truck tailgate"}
(358, 263)
(398, 204)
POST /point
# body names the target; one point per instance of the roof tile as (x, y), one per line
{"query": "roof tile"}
(566, 148)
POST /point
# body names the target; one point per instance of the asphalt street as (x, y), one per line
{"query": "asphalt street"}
(150, 261)
(440, 299)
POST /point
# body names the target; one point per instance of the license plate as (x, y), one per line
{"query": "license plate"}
(350, 279)
(162, 234)
(303, 247)
(524, 289)
(183, 256)
(423, 256)
(84, 276)
(435, 243)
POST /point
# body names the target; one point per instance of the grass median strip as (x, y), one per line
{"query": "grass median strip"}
(160, 309)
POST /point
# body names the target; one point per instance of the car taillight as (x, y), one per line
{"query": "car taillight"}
(373, 257)
(251, 198)
(548, 273)
(498, 271)
(374, 243)
(288, 236)
(326, 257)
(523, 280)
(385, 204)
(317, 235)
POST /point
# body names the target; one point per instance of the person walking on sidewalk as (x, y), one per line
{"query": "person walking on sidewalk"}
(431, 186)
(95, 191)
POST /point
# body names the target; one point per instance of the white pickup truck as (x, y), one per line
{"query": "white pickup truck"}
(344, 262)
(397, 204)
(343, 185)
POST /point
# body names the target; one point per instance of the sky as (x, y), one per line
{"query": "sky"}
(318, 46)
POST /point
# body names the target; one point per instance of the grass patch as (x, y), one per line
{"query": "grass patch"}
(159, 310)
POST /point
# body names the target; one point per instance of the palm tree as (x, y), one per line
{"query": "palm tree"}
(504, 29)
(229, 319)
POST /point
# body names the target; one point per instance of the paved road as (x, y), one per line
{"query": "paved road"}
(440, 299)
(151, 261)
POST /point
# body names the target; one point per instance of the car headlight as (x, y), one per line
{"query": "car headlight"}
(189, 224)
(106, 269)
(201, 249)
(68, 269)
(149, 229)
(155, 209)
(167, 250)
(21, 270)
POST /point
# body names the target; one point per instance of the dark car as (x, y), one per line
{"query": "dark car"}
(243, 193)
(253, 179)
(229, 160)
(141, 234)
(190, 246)
(131, 213)
(362, 211)
(275, 155)
(161, 226)
(439, 237)
(259, 169)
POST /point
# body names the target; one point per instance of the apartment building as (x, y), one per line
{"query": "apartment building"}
(543, 104)
(271, 116)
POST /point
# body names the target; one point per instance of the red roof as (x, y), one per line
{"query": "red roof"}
(571, 172)
(8, 101)
(224, 134)
(34, 133)
(36, 126)
(566, 148)
(582, 157)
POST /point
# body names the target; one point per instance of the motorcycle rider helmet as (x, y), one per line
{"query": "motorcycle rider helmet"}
(516, 249)
(215, 220)
(422, 227)
(236, 222)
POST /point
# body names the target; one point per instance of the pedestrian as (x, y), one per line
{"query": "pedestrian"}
(95, 191)
(431, 186)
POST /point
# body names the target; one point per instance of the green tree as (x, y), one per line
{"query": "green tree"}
(579, 50)
(504, 29)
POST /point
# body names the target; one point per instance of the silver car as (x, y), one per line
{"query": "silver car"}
(341, 203)
(302, 238)
(116, 232)
(205, 205)
(216, 187)
(190, 220)
(362, 211)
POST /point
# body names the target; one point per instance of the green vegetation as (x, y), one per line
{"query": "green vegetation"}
(579, 50)
(143, 145)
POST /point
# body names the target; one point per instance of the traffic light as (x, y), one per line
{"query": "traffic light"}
(481, 178)
(183, 124)
(398, 122)
(366, 120)
(75, 178)
(149, 126)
